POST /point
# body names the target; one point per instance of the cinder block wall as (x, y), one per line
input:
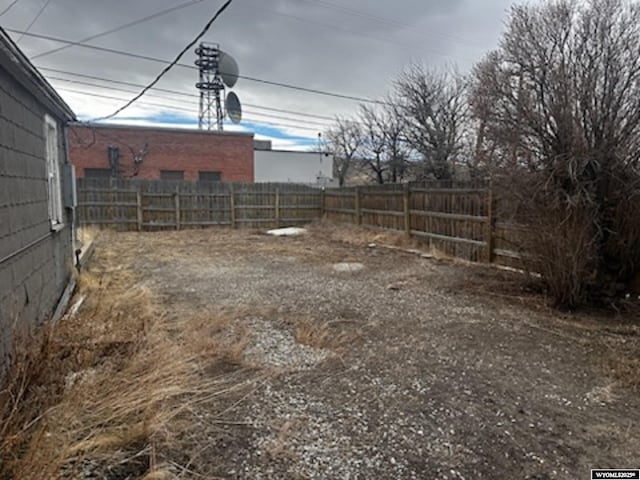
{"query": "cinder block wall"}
(35, 263)
(167, 149)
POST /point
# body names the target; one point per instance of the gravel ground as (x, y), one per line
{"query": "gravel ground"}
(426, 369)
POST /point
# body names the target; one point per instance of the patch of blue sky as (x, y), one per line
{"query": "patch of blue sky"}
(260, 129)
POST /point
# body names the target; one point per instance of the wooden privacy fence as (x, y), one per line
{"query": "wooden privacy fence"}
(161, 205)
(459, 221)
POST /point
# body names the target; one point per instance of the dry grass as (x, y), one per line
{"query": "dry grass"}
(622, 344)
(364, 236)
(313, 334)
(330, 335)
(86, 235)
(360, 236)
(114, 391)
(626, 369)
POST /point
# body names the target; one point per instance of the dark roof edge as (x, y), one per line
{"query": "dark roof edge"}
(124, 126)
(276, 150)
(16, 63)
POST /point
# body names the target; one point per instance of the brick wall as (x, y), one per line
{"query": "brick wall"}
(190, 151)
(35, 263)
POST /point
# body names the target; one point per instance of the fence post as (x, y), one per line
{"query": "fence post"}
(277, 207)
(357, 201)
(177, 202)
(322, 203)
(232, 205)
(489, 227)
(405, 203)
(139, 208)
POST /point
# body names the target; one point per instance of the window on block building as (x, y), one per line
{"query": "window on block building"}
(204, 176)
(172, 174)
(54, 186)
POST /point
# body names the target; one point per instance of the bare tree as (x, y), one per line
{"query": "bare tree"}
(374, 141)
(489, 148)
(344, 140)
(398, 149)
(435, 109)
(560, 102)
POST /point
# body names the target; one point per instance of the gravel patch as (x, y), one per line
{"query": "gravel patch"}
(274, 347)
(435, 381)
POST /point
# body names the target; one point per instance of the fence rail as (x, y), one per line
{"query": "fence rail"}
(457, 220)
(161, 205)
(460, 221)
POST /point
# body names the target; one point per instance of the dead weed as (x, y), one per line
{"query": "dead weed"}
(626, 369)
(321, 334)
(109, 391)
(361, 236)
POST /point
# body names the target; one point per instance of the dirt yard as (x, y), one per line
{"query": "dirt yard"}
(402, 367)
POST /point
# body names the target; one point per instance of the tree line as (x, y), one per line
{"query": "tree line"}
(551, 117)
(419, 131)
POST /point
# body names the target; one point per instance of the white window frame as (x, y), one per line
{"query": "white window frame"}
(54, 185)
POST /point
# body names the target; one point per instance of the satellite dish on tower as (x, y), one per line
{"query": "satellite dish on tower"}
(228, 69)
(233, 107)
(217, 71)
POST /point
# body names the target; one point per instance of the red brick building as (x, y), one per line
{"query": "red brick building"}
(128, 151)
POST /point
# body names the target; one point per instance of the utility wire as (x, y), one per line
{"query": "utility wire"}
(384, 20)
(121, 27)
(350, 31)
(171, 65)
(189, 95)
(9, 7)
(174, 92)
(183, 65)
(181, 108)
(35, 19)
(189, 110)
(111, 97)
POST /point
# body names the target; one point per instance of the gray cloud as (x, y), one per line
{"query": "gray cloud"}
(356, 47)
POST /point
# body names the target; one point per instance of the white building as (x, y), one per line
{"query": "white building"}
(312, 168)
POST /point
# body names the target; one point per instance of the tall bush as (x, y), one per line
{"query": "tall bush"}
(559, 104)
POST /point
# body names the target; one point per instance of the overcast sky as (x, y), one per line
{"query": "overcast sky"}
(353, 47)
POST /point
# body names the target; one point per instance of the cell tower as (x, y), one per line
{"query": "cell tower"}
(217, 69)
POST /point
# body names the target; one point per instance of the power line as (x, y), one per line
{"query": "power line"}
(268, 115)
(11, 5)
(356, 33)
(189, 110)
(172, 64)
(384, 20)
(183, 65)
(121, 27)
(111, 97)
(35, 19)
(174, 92)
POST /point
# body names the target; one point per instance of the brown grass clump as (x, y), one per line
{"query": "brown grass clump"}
(621, 342)
(313, 334)
(87, 234)
(361, 236)
(317, 334)
(112, 391)
(365, 236)
(626, 369)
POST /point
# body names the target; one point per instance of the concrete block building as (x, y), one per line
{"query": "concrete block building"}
(36, 248)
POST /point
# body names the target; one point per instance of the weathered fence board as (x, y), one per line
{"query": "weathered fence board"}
(454, 218)
(157, 205)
